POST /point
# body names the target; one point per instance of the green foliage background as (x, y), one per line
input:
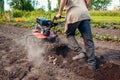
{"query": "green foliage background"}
(1, 7)
(30, 16)
(100, 4)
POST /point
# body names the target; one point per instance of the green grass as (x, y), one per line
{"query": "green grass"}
(105, 13)
(106, 19)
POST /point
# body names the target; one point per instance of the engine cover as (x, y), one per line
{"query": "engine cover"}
(44, 22)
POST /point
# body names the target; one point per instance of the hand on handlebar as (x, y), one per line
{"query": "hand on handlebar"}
(57, 16)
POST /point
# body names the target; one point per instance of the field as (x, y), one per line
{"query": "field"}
(22, 57)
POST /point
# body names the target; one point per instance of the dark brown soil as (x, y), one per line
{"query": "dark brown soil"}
(106, 71)
(57, 63)
(102, 31)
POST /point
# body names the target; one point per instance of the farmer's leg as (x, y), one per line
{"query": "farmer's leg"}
(85, 29)
(70, 33)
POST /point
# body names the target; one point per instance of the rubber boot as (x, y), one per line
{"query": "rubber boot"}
(75, 46)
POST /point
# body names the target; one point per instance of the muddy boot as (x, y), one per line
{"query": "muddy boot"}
(81, 55)
(75, 46)
(94, 63)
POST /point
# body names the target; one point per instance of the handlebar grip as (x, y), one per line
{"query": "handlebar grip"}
(60, 17)
(55, 18)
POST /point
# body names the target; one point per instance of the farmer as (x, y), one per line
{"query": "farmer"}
(78, 17)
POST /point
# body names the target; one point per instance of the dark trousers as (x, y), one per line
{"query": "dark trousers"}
(84, 28)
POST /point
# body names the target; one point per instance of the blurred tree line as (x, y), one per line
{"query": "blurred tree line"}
(22, 5)
(30, 5)
(1, 7)
(100, 4)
